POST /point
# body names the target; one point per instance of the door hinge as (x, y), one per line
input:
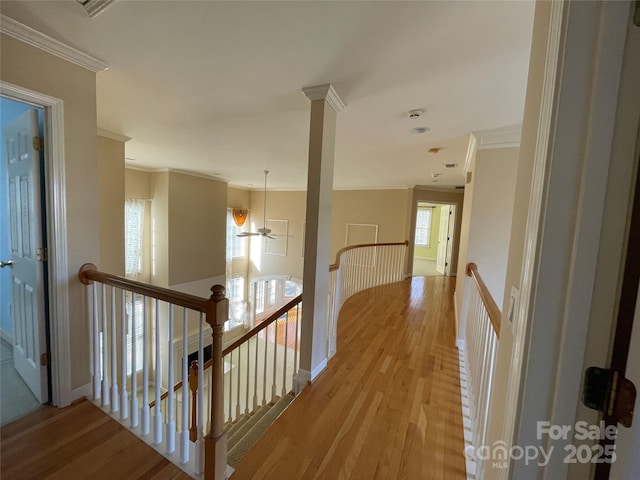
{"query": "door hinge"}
(38, 143)
(609, 392)
(45, 358)
(42, 255)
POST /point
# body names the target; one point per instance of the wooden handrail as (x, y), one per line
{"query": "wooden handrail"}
(264, 324)
(336, 265)
(89, 273)
(488, 301)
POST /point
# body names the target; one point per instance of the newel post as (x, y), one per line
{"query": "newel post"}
(215, 442)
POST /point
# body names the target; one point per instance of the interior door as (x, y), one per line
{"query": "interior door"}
(443, 233)
(450, 234)
(23, 172)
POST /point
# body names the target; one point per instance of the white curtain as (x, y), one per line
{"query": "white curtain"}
(134, 221)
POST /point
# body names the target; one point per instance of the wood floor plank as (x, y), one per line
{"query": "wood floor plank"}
(388, 404)
(78, 442)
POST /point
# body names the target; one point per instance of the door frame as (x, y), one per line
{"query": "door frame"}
(576, 132)
(450, 242)
(55, 211)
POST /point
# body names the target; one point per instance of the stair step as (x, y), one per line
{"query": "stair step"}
(233, 427)
(244, 444)
(237, 434)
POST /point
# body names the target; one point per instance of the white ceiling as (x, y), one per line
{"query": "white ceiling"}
(215, 87)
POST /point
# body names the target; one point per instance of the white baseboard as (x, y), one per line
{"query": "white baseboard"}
(455, 310)
(80, 392)
(318, 370)
(301, 379)
(6, 336)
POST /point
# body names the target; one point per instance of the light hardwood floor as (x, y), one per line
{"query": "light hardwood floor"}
(78, 442)
(388, 404)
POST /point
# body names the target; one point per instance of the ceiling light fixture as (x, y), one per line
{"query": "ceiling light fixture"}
(415, 113)
(434, 150)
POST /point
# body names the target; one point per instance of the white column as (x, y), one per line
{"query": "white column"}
(325, 104)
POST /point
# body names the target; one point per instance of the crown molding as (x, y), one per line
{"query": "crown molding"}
(504, 137)
(94, 7)
(327, 93)
(113, 136)
(39, 40)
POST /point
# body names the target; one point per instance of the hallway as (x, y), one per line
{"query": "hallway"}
(388, 404)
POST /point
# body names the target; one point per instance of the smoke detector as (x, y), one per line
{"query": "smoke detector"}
(415, 113)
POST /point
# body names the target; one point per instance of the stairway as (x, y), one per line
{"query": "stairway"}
(248, 429)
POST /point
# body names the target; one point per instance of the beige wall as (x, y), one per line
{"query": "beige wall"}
(282, 206)
(197, 228)
(520, 212)
(385, 208)
(493, 187)
(160, 228)
(36, 70)
(238, 198)
(111, 183)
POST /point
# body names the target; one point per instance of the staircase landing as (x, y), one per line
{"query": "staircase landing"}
(388, 404)
(80, 441)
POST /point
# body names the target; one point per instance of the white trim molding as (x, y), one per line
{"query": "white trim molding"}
(504, 137)
(113, 136)
(56, 209)
(327, 93)
(32, 37)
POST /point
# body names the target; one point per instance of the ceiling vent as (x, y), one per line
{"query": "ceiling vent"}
(450, 165)
(459, 187)
(94, 7)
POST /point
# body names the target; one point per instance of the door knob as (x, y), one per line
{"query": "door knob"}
(6, 264)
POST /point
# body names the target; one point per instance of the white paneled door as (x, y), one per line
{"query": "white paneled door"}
(443, 233)
(29, 337)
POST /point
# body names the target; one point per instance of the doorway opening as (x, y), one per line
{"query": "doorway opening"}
(24, 339)
(433, 242)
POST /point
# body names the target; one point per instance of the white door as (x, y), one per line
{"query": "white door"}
(441, 259)
(23, 172)
(450, 234)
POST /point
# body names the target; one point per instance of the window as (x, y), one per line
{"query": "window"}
(292, 289)
(133, 225)
(260, 297)
(237, 304)
(137, 334)
(423, 227)
(133, 228)
(272, 292)
(236, 246)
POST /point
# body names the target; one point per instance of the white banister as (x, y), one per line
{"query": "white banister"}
(124, 401)
(481, 343)
(171, 418)
(144, 411)
(134, 410)
(115, 397)
(157, 414)
(358, 268)
(184, 432)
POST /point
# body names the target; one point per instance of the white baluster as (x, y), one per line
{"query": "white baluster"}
(115, 398)
(246, 400)
(264, 369)
(171, 418)
(124, 401)
(239, 367)
(144, 410)
(134, 365)
(295, 345)
(284, 368)
(157, 417)
(97, 377)
(255, 375)
(199, 442)
(230, 418)
(275, 359)
(184, 432)
(105, 350)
